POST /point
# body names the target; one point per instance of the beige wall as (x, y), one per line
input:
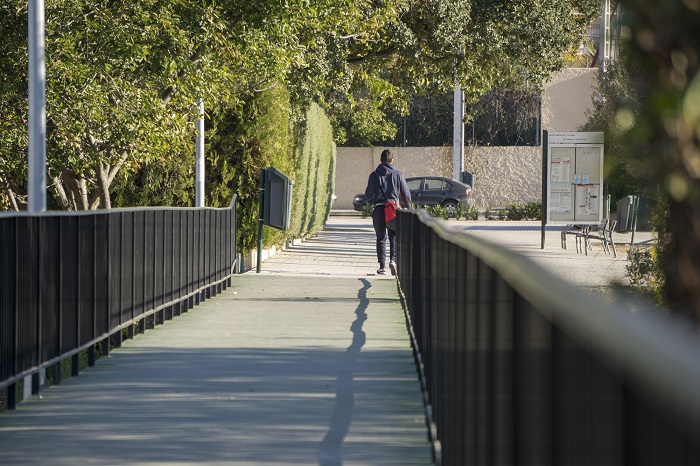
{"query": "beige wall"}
(504, 174)
(501, 174)
(354, 164)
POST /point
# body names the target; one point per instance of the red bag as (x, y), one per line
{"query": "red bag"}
(390, 214)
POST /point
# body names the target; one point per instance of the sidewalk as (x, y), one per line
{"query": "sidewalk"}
(593, 271)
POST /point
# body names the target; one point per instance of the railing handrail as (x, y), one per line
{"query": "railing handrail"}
(657, 352)
(74, 213)
(517, 364)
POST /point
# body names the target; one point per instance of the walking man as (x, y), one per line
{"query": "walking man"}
(386, 183)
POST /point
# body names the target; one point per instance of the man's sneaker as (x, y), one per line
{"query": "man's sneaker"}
(381, 271)
(392, 267)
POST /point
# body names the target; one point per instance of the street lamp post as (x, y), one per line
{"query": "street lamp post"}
(458, 134)
(199, 163)
(37, 108)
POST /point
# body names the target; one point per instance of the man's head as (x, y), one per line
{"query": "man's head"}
(386, 156)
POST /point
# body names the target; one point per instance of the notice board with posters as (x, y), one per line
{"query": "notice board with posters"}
(573, 177)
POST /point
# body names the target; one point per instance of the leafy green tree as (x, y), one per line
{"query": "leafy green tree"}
(429, 45)
(117, 96)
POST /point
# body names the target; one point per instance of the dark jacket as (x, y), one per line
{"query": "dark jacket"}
(392, 182)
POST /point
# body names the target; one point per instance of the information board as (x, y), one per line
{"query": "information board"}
(573, 177)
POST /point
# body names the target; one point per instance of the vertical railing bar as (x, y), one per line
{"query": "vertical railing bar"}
(75, 360)
(132, 272)
(158, 227)
(57, 375)
(91, 350)
(518, 308)
(12, 389)
(38, 303)
(555, 346)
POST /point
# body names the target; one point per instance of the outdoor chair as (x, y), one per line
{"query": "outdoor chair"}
(604, 235)
(580, 233)
(573, 230)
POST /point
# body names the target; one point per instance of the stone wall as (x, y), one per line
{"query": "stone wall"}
(501, 174)
(354, 164)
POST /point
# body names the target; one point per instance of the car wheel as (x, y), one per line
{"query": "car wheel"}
(451, 207)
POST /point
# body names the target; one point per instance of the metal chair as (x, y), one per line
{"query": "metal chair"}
(605, 235)
(573, 230)
(590, 232)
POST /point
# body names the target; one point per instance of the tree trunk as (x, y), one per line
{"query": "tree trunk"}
(10, 191)
(72, 191)
(60, 192)
(106, 176)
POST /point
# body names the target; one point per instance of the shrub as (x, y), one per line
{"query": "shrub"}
(244, 142)
(437, 211)
(314, 173)
(466, 212)
(516, 211)
(268, 132)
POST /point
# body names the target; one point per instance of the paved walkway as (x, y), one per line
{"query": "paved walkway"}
(307, 363)
(593, 271)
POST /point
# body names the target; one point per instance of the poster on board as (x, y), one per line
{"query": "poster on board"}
(573, 177)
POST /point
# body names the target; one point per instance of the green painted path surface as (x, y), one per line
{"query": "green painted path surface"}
(275, 370)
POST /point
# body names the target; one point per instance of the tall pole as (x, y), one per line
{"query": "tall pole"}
(604, 38)
(199, 171)
(458, 134)
(37, 108)
(261, 219)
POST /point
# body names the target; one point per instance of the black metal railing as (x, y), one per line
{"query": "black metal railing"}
(72, 281)
(519, 367)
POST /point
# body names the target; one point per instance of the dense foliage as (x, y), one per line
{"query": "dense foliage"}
(662, 129)
(431, 45)
(618, 91)
(246, 142)
(315, 173)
